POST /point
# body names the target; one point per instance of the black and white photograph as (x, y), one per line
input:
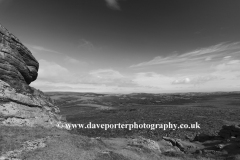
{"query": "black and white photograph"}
(119, 79)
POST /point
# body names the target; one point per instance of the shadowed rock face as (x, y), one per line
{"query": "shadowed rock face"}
(17, 65)
(21, 104)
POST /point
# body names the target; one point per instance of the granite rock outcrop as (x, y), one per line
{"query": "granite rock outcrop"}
(18, 67)
(21, 104)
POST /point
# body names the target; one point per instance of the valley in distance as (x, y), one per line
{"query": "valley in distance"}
(211, 110)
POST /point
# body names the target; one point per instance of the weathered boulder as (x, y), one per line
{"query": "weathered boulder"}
(229, 131)
(18, 109)
(21, 104)
(145, 143)
(18, 67)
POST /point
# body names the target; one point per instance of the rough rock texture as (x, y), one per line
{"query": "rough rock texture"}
(21, 104)
(26, 109)
(18, 67)
(146, 143)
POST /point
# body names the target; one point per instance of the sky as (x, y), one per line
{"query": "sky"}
(126, 46)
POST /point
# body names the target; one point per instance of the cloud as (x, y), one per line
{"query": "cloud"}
(74, 61)
(208, 59)
(152, 79)
(181, 81)
(231, 65)
(83, 43)
(212, 53)
(228, 71)
(195, 80)
(66, 58)
(224, 75)
(106, 73)
(233, 62)
(69, 87)
(39, 48)
(226, 57)
(71, 60)
(107, 77)
(53, 77)
(113, 4)
(53, 72)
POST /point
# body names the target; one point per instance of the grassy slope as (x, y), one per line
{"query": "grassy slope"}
(65, 146)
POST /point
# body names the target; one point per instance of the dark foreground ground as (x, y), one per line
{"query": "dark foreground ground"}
(210, 110)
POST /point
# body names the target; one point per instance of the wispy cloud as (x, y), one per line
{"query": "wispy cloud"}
(85, 43)
(39, 48)
(66, 58)
(211, 53)
(113, 4)
(71, 60)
